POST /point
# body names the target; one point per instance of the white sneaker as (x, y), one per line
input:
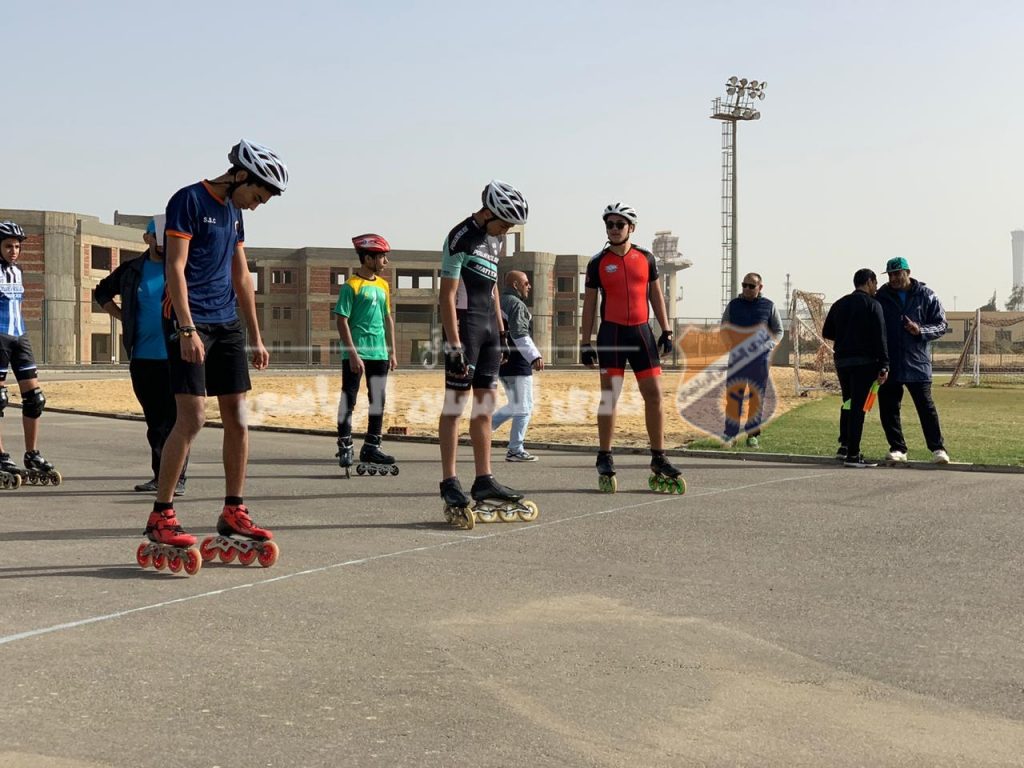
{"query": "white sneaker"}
(940, 457)
(896, 456)
(521, 455)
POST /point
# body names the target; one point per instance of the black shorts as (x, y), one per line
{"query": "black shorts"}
(633, 344)
(16, 353)
(225, 371)
(479, 336)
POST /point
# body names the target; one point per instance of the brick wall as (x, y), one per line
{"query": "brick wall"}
(32, 262)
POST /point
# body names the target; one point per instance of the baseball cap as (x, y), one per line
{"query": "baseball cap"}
(896, 263)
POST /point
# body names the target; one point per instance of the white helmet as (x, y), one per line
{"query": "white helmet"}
(262, 163)
(506, 202)
(621, 209)
(11, 229)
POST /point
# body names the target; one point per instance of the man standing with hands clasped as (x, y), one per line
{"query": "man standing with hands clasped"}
(914, 318)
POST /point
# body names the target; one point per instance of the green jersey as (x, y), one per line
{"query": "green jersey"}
(365, 303)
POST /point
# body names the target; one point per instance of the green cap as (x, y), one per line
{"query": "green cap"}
(897, 263)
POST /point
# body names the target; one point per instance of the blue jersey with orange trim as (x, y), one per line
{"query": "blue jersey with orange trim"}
(213, 228)
(624, 282)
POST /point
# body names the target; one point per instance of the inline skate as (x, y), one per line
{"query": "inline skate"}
(373, 461)
(493, 501)
(10, 473)
(344, 454)
(238, 535)
(664, 477)
(456, 504)
(606, 472)
(39, 471)
(168, 545)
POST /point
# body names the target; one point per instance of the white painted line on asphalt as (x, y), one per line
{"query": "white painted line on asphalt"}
(502, 529)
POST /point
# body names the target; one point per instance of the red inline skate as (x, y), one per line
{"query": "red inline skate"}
(239, 536)
(168, 545)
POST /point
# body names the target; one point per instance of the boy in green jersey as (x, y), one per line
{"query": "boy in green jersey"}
(367, 332)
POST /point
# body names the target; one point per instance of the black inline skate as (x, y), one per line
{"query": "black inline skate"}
(10, 473)
(606, 472)
(664, 477)
(40, 471)
(373, 461)
(345, 454)
(493, 501)
(456, 504)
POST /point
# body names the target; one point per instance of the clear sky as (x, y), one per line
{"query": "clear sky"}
(889, 128)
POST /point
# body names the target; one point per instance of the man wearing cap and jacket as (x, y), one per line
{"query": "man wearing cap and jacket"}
(914, 318)
(140, 284)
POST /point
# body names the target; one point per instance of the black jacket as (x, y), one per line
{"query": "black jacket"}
(856, 324)
(912, 355)
(124, 282)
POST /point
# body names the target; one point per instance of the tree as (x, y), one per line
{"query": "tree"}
(1016, 301)
(991, 306)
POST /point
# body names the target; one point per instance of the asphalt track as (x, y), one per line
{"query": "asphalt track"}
(777, 614)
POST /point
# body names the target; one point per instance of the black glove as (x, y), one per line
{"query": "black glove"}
(665, 343)
(504, 348)
(455, 361)
(588, 355)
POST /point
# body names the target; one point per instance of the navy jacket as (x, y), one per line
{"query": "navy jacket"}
(910, 357)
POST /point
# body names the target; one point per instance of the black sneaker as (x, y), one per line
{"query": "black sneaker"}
(858, 462)
(179, 488)
(147, 487)
(841, 453)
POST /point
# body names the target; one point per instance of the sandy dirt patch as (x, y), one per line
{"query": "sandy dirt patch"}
(564, 412)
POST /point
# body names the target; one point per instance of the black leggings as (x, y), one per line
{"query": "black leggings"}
(376, 384)
(152, 387)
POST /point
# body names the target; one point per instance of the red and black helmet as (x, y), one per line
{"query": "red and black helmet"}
(370, 243)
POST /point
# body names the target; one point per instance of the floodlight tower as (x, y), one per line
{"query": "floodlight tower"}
(740, 97)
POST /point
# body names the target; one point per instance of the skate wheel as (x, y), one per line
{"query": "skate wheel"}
(33, 480)
(142, 555)
(268, 554)
(652, 482)
(247, 558)
(159, 561)
(529, 513)
(680, 486)
(606, 483)
(360, 469)
(468, 520)
(227, 555)
(448, 516)
(193, 561)
(207, 551)
(174, 563)
(486, 514)
(508, 514)
(56, 478)
(394, 469)
(372, 470)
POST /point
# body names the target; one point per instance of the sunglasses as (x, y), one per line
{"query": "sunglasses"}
(615, 224)
(749, 285)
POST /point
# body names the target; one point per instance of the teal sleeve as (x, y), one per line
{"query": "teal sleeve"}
(451, 263)
(345, 298)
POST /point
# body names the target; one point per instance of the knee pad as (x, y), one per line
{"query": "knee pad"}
(3, 400)
(32, 403)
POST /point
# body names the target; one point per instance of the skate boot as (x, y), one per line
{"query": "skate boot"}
(168, 545)
(664, 477)
(344, 454)
(493, 501)
(10, 473)
(606, 472)
(456, 504)
(40, 471)
(238, 535)
(373, 461)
